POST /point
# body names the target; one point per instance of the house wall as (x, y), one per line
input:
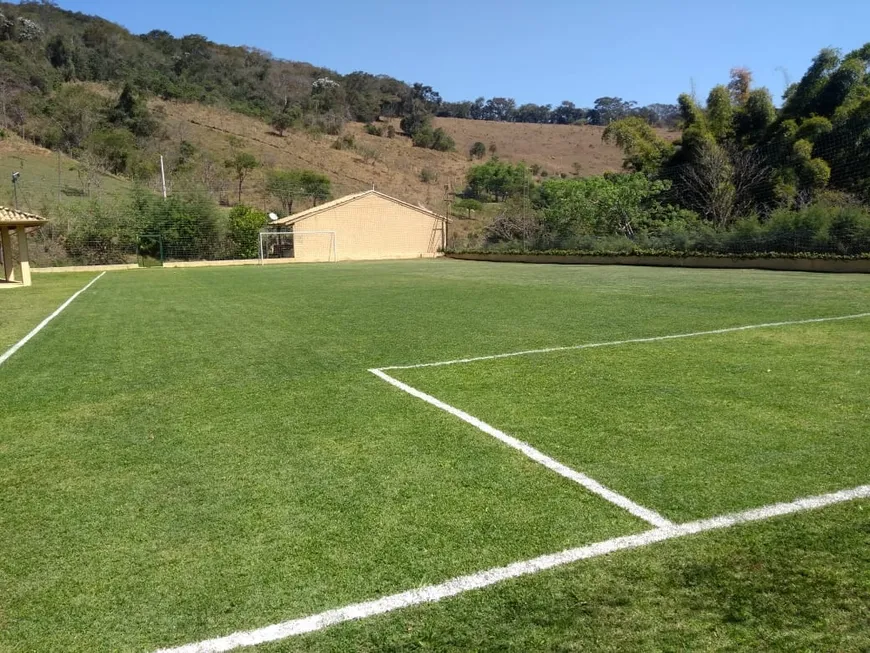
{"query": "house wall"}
(369, 228)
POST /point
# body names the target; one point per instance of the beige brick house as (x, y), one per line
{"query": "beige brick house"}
(365, 226)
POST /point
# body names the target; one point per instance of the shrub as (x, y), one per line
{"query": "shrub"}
(391, 131)
(374, 130)
(369, 154)
(243, 229)
(346, 142)
(427, 175)
(477, 151)
(442, 142)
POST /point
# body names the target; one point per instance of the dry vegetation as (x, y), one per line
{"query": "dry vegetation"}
(558, 149)
(397, 167)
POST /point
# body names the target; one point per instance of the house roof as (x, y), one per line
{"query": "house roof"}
(298, 217)
(13, 218)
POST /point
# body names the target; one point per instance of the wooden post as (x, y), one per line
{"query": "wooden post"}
(6, 244)
(23, 256)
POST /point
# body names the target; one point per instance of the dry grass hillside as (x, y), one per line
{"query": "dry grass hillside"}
(396, 166)
(393, 166)
(558, 149)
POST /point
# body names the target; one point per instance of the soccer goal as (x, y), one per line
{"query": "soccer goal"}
(297, 245)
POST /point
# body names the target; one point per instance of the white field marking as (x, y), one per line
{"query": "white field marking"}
(39, 327)
(695, 334)
(590, 484)
(461, 584)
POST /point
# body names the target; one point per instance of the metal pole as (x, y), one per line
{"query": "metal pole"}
(163, 176)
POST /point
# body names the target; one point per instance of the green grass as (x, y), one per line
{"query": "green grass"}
(40, 190)
(21, 309)
(691, 428)
(192, 452)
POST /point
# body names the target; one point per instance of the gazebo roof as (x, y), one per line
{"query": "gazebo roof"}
(12, 218)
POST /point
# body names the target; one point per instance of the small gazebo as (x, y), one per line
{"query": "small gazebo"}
(18, 222)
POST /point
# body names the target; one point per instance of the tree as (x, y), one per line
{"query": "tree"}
(722, 183)
(720, 113)
(740, 85)
(497, 179)
(609, 109)
(131, 112)
(241, 164)
(477, 151)
(285, 186)
(644, 150)
(281, 122)
(243, 231)
(315, 185)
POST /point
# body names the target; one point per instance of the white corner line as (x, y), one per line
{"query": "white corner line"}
(461, 584)
(630, 341)
(590, 484)
(39, 327)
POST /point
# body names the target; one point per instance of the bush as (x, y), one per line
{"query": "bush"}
(442, 142)
(427, 176)
(374, 130)
(477, 151)
(391, 131)
(243, 228)
(346, 142)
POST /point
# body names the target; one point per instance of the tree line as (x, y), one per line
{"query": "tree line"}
(744, 176)
(42, 46)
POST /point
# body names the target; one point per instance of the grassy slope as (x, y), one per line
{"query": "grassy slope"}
(203, 451)
(38, 188)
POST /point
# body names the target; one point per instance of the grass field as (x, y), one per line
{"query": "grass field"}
(189, 453)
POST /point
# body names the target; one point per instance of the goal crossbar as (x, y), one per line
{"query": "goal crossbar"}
(331, 256)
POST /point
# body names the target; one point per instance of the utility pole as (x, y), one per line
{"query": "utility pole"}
(163, 176)
(58, 179)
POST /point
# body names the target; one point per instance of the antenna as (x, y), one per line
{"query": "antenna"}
(273, 217)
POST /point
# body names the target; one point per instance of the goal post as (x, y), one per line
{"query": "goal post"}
(309, 246)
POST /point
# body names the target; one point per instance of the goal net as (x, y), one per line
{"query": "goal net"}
(297, 245)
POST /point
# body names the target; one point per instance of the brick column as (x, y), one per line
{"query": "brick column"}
(23, 255)
(6, 244)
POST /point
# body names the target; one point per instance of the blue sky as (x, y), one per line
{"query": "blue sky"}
(544, 51)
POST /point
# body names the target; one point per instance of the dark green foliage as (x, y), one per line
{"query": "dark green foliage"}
(317, 187)
(374, 130)
(243, 228)
(497, 180)
(131, 113)
(281, 122)
(467, 206)
(477, 151)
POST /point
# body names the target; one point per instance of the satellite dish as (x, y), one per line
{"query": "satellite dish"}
(273, 217)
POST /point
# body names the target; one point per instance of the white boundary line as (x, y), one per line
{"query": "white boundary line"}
(590, 484)
(39, 327)
(461, 584)
(627, 342)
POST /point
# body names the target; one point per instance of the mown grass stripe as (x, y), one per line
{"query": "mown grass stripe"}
(39, 327)
(461, 584)
(612, 343)
(649, 516)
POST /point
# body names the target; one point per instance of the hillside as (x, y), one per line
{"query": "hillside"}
(398, 165)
